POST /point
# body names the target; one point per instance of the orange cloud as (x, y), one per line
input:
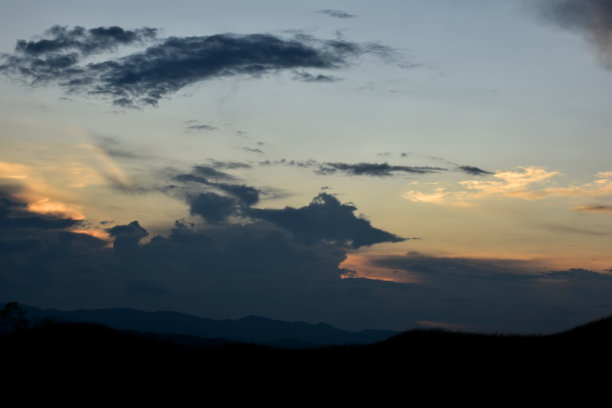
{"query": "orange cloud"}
(528, 183)
(48, 206)
(103, 235)
(12, 171)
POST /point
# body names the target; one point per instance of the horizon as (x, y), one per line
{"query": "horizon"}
(390, 166)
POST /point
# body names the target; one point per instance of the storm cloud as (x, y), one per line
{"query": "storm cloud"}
(169, 64)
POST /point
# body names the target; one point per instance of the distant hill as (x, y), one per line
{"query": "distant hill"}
(251, 329)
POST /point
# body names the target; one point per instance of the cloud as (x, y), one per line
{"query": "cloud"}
(221, 200)
(251, 150)
(231, 165)
(373, 169)
(591, 17)
(325, 218)
(530, 183)
(431, 269)
(308, 77)
(94, 40)
(474, 171)
(336, 13)
(214, 208)
(111, 147)
(27, 229)
(511, 183)
(16, 214)
(202, 127)
(202, 174)
(143, 78)
(287, 264)
(594, 208)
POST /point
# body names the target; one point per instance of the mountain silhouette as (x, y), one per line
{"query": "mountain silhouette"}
(250, 329)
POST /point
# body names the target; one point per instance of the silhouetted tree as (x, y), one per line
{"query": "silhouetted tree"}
(12, 318)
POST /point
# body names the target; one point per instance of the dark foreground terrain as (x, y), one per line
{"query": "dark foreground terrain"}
(434, 359)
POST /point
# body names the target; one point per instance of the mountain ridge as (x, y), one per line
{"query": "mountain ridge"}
(249, 329)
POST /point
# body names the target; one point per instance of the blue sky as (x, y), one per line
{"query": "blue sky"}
(379, 165)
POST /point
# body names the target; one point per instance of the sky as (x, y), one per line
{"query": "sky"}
(386, 165)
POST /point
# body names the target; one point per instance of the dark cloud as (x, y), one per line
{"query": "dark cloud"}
(209, 173)
(56, 57)
(203, 175)
(213, 207)
(591, 17)
(246, 195)
(202, 127)
(474, 171)
(85, 41)
(336, 13)
(308, 77)
(127, 238)
(15, 246)
(374, 169)
(170, 64)
(251, 150)
(231, 165)
(223, 200)
(285, 264)
(325, 218)
(434, 269)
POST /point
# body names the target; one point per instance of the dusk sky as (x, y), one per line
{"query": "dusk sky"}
(391, 164)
